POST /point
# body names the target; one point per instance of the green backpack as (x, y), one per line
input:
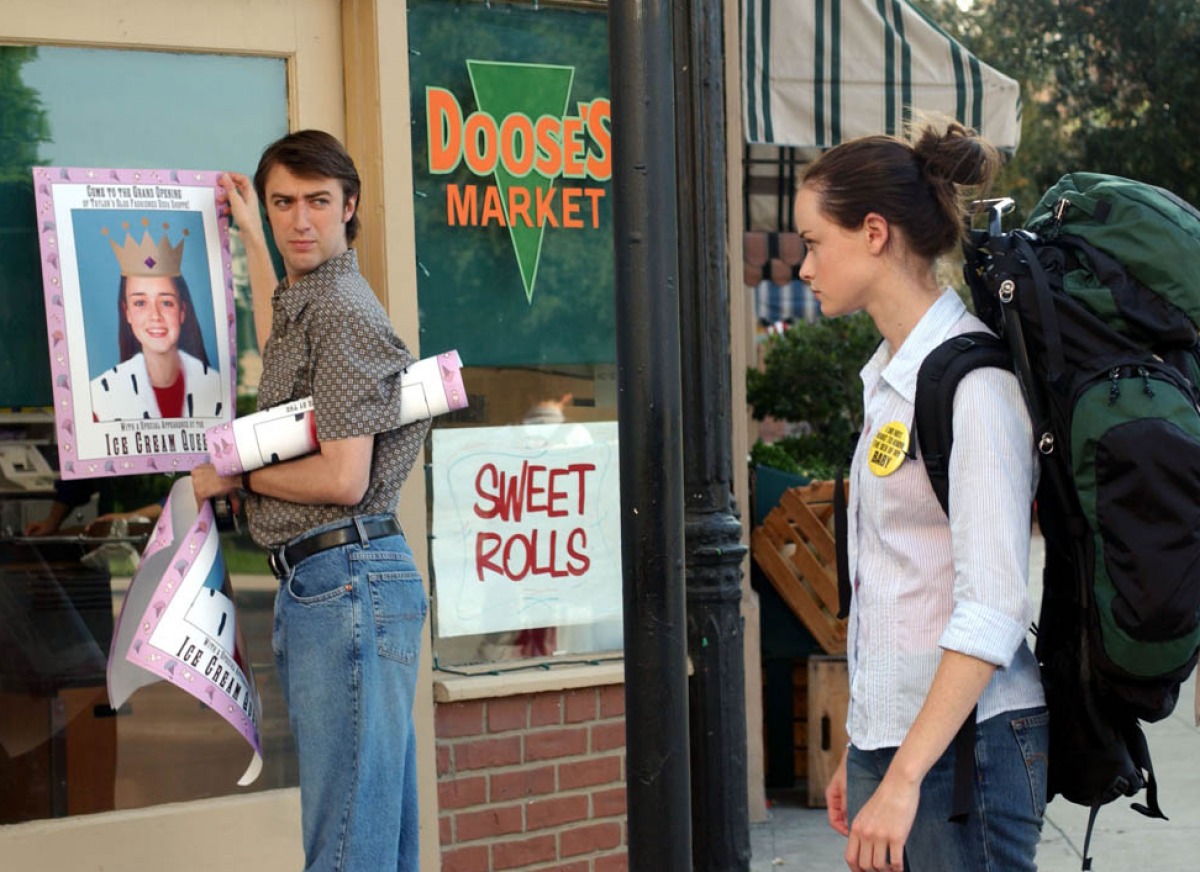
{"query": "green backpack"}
(1096, 303)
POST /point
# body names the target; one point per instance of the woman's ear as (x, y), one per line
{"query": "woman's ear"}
(877, 231)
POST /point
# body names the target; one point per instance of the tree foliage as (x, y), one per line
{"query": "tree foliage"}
(1108, 86)
(810, 377)
(23, 124)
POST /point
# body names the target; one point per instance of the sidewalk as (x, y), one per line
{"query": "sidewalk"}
(799, 838)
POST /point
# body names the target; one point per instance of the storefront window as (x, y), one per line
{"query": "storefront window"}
(63, 749)
(512, 165)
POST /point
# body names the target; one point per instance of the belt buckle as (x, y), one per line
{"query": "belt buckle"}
(275, 564)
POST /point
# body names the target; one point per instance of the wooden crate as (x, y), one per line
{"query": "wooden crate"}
(794, 547)
(828, 699)
(800, 718)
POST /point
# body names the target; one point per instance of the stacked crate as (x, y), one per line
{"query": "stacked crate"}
(795, 548)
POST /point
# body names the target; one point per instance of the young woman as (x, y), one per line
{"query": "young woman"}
(940, 608)
(164, 371)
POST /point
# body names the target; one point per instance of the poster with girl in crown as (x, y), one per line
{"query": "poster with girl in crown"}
(140, 319)
(139, 316)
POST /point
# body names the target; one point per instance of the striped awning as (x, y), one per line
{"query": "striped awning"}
(818, 72)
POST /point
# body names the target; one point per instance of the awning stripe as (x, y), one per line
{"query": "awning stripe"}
(756, 72)
(765, 19)
(835, 78)
(906, 88)
(889, 68)
(751, 72)
(960, 82)
(864, 66)
(827, 76)
(976, 93)
(819, 77)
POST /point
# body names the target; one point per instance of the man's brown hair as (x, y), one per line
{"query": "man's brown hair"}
(312, 154)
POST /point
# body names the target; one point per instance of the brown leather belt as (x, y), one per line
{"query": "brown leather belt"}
(284, 557)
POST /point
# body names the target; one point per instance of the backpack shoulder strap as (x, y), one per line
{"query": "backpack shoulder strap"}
(933, 430)
(933, 407)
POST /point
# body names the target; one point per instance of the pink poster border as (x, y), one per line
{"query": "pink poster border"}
(183, 455)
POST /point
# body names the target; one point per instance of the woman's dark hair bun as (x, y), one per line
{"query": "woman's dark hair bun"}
(919, 184)
(956, 155)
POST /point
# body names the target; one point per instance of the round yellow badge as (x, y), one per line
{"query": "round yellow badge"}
(888, 448)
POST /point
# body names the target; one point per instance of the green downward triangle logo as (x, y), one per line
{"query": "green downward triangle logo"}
(533, 90)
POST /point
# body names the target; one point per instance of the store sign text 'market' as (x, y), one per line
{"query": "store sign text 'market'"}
(545, 163)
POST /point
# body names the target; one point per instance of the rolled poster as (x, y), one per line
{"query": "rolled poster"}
(429, 387)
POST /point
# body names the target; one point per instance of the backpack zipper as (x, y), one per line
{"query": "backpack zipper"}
(1147, 371)
(1060, 211)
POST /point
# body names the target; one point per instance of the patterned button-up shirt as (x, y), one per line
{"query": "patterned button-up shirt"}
(331, 340)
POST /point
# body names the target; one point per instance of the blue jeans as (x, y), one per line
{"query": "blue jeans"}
(1001, 832)
(348, 626)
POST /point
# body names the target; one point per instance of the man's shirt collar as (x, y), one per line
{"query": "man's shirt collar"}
(294, 298)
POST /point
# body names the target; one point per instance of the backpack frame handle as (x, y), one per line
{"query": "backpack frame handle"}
(995, 209)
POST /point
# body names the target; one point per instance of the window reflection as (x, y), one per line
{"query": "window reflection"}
(63, 749)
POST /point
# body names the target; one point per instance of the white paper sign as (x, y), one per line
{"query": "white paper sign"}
(526, 527)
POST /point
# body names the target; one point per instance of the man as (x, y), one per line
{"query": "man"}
(351, 605)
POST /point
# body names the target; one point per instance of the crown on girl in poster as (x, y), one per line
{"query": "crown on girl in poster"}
(148, 258)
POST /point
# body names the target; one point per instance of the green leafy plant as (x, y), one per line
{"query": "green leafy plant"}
(776, 456)
(810, 378)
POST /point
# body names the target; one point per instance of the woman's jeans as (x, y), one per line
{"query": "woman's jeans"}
(348, 626)
(1001, 832)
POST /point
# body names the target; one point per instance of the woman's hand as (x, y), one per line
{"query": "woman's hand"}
(881, 828)
(835, 798)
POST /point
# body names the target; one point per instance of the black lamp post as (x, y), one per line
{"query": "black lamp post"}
(667, 79)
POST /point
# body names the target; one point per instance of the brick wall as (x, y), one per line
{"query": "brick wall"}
(533, 782)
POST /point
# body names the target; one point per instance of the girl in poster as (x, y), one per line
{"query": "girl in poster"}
(164, 370)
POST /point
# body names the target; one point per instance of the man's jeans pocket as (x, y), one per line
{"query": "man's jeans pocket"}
(399, 606)
(320, 578)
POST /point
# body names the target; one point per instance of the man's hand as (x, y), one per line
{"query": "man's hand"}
(104, 522)
(43, 527)
(208, 483)
(237, 197)
(51, 523)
